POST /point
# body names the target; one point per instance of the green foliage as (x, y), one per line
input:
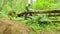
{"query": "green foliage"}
(41, 23)
(37, 23)
(43, 4)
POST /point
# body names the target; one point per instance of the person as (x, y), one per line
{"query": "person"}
(28, 10)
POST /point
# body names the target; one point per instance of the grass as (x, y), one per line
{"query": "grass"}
(49, 27)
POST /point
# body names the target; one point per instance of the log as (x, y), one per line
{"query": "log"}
(46, 12)
(55, 20)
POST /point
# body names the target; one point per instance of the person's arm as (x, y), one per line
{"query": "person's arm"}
(27, 8)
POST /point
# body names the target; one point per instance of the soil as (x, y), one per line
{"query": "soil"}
(10, 27)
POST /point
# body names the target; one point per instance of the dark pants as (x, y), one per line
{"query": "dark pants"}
(26, 14)
(30, 13)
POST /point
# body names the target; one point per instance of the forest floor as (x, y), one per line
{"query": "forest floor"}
(10, 27)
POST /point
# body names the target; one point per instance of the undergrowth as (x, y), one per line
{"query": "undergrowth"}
(39, 23)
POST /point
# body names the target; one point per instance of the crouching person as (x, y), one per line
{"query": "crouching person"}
(28, 11)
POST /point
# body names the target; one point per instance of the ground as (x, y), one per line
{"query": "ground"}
(10, 27)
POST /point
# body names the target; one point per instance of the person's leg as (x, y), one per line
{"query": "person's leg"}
(30, 13)
(26, 15)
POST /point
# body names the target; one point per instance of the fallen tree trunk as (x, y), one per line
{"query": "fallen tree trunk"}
(49, 12)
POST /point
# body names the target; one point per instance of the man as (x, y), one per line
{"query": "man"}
(28, 10)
